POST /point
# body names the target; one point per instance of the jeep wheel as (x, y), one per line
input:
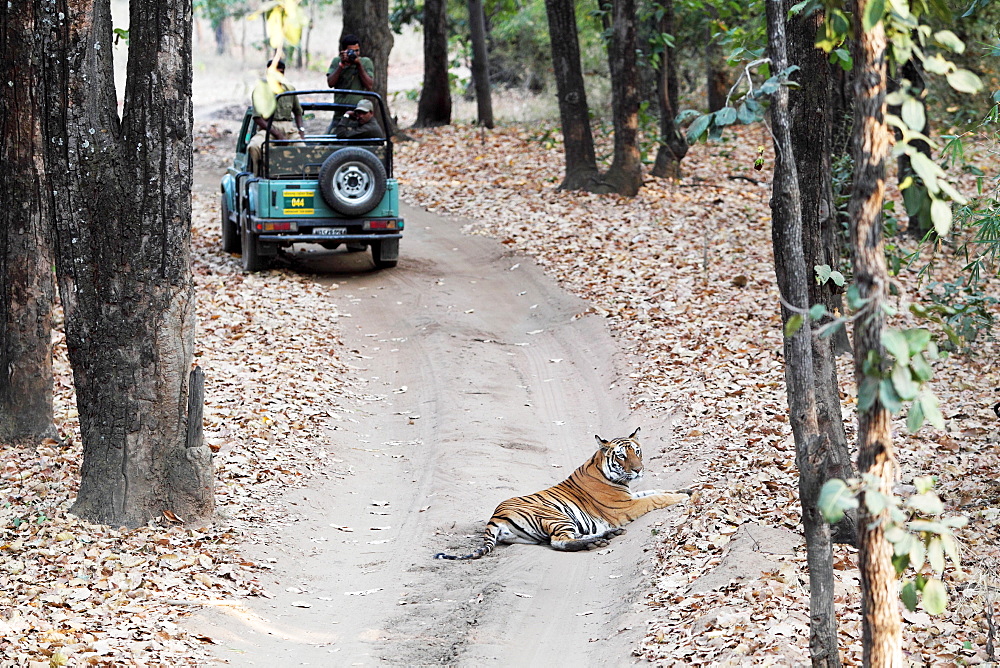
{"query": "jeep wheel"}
(385, 253)
(252, 260)
(230, 232)
(352, 181)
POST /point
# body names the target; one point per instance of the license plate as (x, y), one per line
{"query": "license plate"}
(330, 231)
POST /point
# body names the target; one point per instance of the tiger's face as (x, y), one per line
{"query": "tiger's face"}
(622, 459)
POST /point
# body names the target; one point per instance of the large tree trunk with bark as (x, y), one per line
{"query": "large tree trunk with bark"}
(121, 191)
(673, 143)
(625, 175)
(811, 445)
(369, 20)
(27, 289)
(578, 141)
(812, 138)
(434, 107)
(480, 63)
(881, 625)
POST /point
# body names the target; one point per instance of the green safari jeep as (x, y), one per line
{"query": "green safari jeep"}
(320, 190)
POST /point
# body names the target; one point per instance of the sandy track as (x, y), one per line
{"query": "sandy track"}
(486, 382)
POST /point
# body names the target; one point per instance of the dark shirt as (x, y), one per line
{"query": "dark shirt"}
(348, 128)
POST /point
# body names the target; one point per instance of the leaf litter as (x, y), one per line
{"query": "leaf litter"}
(682, 275)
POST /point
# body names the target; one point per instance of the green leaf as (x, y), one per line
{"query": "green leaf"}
(941, 216)
(888, 396)
(874, 11)
(902, 382)
(895, 342)
(964, 81)
(927, 503)
(927, 170)
(817, 311)
(935, 599)
(932, 411)
(913, 115)
(823, 273)
(908, 594)
(895, 535)
(950, 41)
(900, 562)
(834, 498)
(698, 128)
(867, 393)
(917, 554)
(915, 418)
(924, 483)
(951, 549)
(837, 278)
(876, 501)
(935, 554)
(917, 339)
(793, 325)
(725, 116)
(922, 371)
(744, 115)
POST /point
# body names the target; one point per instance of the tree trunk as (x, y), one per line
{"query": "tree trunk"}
(625, 175)
(716, 78)
(812, 137)
(811, 445)
(27, 289)
(578, 142)
(434, 107)
(480, 63)
(881, 626)
(369, 20)
(121, 191)
(673, 143)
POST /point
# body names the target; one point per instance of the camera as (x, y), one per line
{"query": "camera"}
(352, 54)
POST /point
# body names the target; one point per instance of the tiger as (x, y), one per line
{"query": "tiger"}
(582, 512)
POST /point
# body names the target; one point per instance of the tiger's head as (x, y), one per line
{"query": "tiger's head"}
(622, 461)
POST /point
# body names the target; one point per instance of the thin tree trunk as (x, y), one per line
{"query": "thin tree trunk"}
(881, 625)
(673, 143)
(434, 107)
(27, 289)
(121, 191)
(480, 63)
(811, 445)
(578, 142)
(625, 175)
(717, 82)
(812, 137)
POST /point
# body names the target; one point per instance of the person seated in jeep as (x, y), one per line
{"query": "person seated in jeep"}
(286, 122)
(359, 123)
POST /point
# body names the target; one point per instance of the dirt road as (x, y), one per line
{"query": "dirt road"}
(487, 381)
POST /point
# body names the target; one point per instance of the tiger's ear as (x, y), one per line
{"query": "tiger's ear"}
(601, 442)
(632, 435)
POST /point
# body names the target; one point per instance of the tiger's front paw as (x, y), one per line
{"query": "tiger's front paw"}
(597, 543)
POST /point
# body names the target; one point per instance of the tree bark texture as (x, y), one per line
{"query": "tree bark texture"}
(480, 63)
(578, 141)
(625, 175)
(121, 192)
(811, 445)
(434, 107)
(27, 287)
(716, 78)
(369, 20)
(881, 625)
(812, 138)
(673, 143)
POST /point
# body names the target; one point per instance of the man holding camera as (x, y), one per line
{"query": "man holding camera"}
(359, 123)
(351, 72)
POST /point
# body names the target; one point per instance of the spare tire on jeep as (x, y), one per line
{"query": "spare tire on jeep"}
(352, 181)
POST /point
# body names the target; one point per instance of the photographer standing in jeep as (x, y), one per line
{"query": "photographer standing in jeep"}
(352, 71)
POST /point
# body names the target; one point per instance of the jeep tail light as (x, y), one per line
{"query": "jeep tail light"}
(276, 227)
(381, 224)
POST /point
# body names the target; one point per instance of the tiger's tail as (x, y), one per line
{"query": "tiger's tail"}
(489, 542)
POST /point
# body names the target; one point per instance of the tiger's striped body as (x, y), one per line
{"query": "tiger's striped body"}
(582, 512)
